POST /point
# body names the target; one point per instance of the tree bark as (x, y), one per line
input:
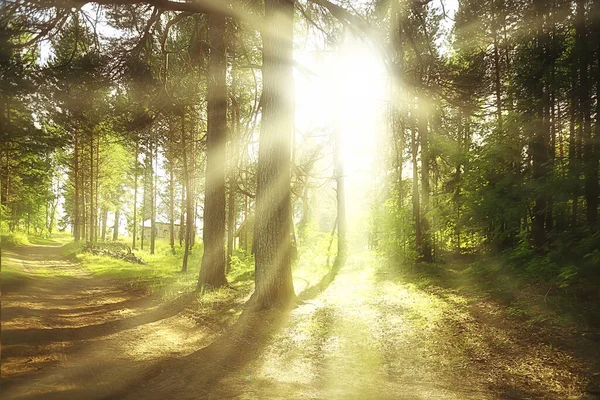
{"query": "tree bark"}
(91, 227)
(76, 212)
(416, 205)
(171, 198)
(135, 190)
(104, 221)
(342, 225)
(212, 271)
(426, 252)
(189, 203)
(273, 243)
(573, 161)
(153, 175)
(115, 236)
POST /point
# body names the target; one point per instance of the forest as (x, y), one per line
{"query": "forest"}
(300, 199)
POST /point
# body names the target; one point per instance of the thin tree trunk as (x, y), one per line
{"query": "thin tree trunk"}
(97, 184)
(342, 250)
(104, 221)
(182, 208)
(426, 252)
(115, 236)
(91, 227)
(415, 190)
(189, 204)
(171, 199)
(573, 162)
(153, 174)
(76, 211)
(135, 191)
(497, 72)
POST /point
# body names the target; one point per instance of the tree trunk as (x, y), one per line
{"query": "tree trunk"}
(115, 236)
(426, 252)
(153, 176)
(540, 139)
(212, 272)
(273, 243)
(497, 82)
(342, 225)
(97, 183)
(182, 209)
(416, 206)
(135, 191)
(230, 224)
(573, 162)
(91, 227)
(104, 218)
(83, 206)
(189, 204)
(171, 199)
(76, 212)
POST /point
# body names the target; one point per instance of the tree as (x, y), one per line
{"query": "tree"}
(273, 242)
(212, 271)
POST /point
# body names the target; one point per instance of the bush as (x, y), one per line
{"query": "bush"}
(13, 239)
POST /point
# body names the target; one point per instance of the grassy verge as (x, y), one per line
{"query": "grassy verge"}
(162, 274)
(13, 239)
(529, 299)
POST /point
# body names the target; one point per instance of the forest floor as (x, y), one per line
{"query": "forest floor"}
(367, 334)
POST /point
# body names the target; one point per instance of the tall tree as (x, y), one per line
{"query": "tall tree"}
(272, 235)
(212, 271)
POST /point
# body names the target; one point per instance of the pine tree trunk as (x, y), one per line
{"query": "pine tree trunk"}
(540, 139)
(76, 211)
(97, 184)
(273, 242)
(115, 236)
(426, 252)
(573, 162)
(135, 191)
(189, 204)
(230, 224)
(342, 226)
(91, 225)
(416, 206)
(153, 175)
(182, 208)
(171, 200)
(212, 272)
(104, 221)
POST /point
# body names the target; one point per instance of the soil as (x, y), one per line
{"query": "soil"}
(367, 335)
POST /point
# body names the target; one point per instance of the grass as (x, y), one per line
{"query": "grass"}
(162, 274)
(529, 300)
(13, 239)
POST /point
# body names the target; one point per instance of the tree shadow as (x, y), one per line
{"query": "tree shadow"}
(195, 376)
(315, 290)
(40, 335)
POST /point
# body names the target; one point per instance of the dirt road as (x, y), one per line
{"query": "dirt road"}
(369, 335)
(69, 335)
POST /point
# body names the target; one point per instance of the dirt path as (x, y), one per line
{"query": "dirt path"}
(372, 336)
(368, 336)
(67, 334)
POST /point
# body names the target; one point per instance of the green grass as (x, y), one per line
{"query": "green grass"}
(13, 239)
(162, 273)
